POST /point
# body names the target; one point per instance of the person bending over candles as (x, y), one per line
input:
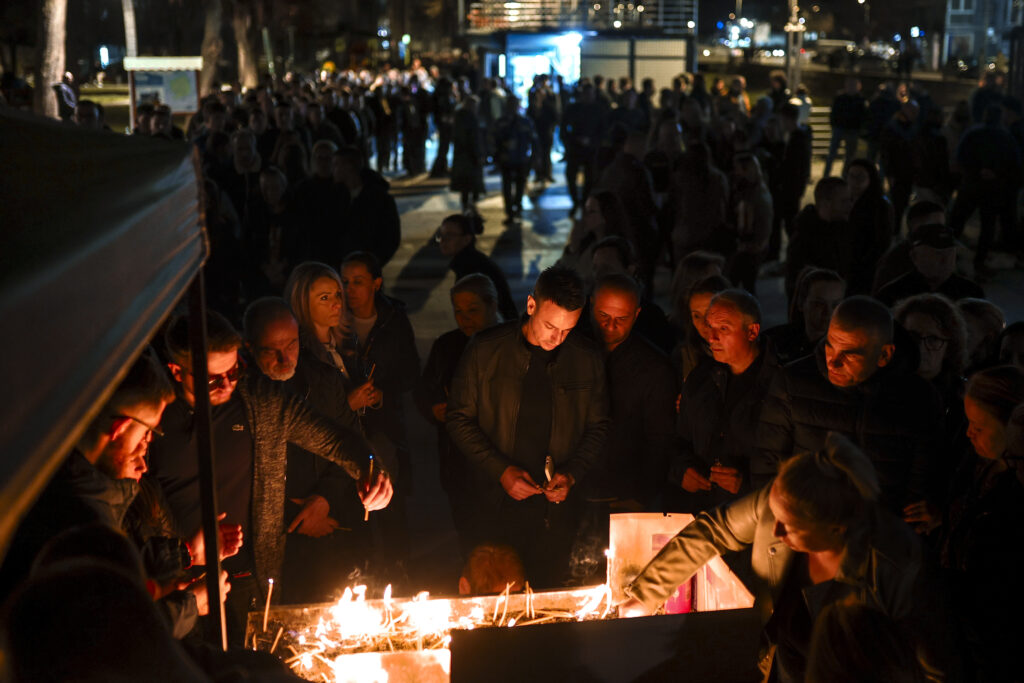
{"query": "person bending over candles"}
(818, 537)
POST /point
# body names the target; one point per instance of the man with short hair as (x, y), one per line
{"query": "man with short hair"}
(253, 420)
(528, 404)
(823, 236)
(720, 405)
(857, 385)
(933, 255)
(642, 391)
(320, 497)
(615, 254)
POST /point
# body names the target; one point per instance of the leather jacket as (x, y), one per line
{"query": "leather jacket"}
(484, 402)
(880, 566)
(883, 566)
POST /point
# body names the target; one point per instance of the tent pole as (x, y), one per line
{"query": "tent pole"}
(204, 449)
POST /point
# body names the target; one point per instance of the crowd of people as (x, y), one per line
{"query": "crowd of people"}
(858, 465)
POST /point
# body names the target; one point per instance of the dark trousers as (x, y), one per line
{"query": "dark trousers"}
(743, 270)
(513, 184)
(542, 158)
(414, 152)
(992, 199)
(444, 143)
(899, 191)
(543, 533)
(385, 148)
(574, 163)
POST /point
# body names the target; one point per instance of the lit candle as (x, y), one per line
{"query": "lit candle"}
(266, 610)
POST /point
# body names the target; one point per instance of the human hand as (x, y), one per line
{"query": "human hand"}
(313, 520)
(518, 483)
(632, 608)
(923, 516)
(231, 539)
(362, 396)
(440, 411)
(198, 588)
(557, 489)
(693, 481)
(376, 493)
(729, 478)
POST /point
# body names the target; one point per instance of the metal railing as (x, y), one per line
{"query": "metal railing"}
(675, 16)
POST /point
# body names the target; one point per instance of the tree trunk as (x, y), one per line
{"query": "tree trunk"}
(244, 24)
(212, 44)
(50, 55)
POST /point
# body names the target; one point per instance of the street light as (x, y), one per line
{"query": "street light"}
(867, 17)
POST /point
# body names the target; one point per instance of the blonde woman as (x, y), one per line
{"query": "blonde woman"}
(316, 296)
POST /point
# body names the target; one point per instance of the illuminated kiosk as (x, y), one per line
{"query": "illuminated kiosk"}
(641, 39)
(173, 81)
(540, 637)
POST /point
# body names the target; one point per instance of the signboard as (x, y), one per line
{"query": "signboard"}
(177, 89)
(173, 81)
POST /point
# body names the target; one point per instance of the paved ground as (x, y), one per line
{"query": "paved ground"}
(418, 275)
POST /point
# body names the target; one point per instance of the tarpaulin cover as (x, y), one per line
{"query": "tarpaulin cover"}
(99, 236)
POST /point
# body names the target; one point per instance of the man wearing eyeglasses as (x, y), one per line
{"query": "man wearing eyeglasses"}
(253, 420)
(99, 479)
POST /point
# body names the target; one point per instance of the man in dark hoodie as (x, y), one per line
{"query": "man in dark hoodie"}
(372, 214)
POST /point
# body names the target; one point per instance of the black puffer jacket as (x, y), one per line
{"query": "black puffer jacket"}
(710, 430)
(893, 416)
(484, 403)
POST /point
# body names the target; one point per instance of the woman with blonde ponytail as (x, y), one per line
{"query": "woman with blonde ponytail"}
(817, 537)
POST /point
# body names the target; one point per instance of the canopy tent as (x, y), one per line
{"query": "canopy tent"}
(99, 237)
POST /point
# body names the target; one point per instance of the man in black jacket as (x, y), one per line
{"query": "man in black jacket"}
(328, 538)
(253, 420)
(720, 405)
(642, 391)
(528, 404)
(857, 385)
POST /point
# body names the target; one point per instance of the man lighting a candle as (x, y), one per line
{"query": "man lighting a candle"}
(253, 422)
(523, 392)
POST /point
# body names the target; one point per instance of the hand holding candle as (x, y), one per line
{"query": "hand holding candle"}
(375, 489)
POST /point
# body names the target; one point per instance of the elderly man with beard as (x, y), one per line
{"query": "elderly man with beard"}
(253, 420)
(327, 537)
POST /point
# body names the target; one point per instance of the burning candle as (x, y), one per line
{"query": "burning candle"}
(266, 610)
